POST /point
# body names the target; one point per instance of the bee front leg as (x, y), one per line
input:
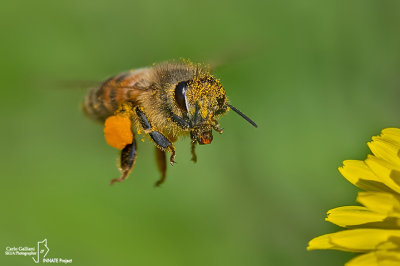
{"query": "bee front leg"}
(127, 160)
(193, 151)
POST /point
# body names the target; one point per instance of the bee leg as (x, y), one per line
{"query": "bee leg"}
(159, 139)
(216, 127)
(127, 160)
(161, 164)
(163, 144)
(193, 150)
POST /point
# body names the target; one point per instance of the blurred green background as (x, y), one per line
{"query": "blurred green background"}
(319, 77)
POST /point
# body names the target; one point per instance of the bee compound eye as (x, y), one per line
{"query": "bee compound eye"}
(180, 95)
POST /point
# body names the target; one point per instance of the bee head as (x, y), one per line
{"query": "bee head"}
(201, 100)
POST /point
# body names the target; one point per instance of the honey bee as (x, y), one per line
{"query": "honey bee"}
(163, 102)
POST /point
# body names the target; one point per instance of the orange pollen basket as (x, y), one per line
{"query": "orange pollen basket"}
(117, 131)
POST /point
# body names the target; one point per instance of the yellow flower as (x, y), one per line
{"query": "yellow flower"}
(374, 228)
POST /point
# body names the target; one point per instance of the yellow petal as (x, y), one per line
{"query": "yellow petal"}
(392, 244)
(353, 215)
(322, 242)
(368, 259)
(380, 202)
(392, 131)
(385, 149)
(380, 257)
(355, 240)
(383, 170)
(391, 135)
(359, 174)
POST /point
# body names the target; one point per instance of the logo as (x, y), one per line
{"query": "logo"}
(38, 253)
(42, 250)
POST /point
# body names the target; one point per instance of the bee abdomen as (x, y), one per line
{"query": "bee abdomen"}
(103, 101)
(97, 103)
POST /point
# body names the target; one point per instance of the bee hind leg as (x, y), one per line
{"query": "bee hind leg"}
(127, 161)
(161, 164)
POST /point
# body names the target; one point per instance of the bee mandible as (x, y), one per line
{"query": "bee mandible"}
(163, 102)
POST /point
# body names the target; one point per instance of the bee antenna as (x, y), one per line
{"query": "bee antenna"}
(242, 115)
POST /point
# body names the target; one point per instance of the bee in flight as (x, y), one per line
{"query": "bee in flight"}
(164, 102)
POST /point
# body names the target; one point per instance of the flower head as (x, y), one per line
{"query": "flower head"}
(374, 227)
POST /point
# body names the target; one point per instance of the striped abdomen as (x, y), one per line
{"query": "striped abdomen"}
(101, 102)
